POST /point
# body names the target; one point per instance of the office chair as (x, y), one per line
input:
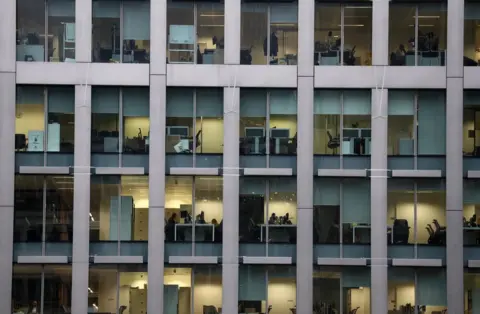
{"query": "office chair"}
(333, 143)
(20, 142)
(198, 142)
(354, 311)
(401, 231)
(122, 309)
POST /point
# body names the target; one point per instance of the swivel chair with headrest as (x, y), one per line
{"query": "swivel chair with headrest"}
(333, 142)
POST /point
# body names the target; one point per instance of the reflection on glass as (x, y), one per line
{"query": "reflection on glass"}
(433, 280)
(178, 208)
(326, 211)
(283, 122)
(471, 207)
(326, 291)
(136, 122)
(357, 132)
(105, 119)
(209, 121)
(208, 209)
(471, 131)
(402, 292)
(401, 212)
(357, 28)
(102, 288)
(281, 213)
(356, 221)
(282, 44)
(253, 107)
(61, 31)
(431, 123)
(402, 34)
(254, 32)
(136, 31)
(61, 127)
(179, 133)
(28, 221)
(431, 214)
(119, 208)
(471, 39)
(471, 283)
(57, 289)
(26, 288)
(181, 28)
(327, 34)
(210, 33)
(401, 122)
(30, 119)
(106, 40)
(327, 115)
(31, 40)
(252, 208)
(253, 289)
(59, 209)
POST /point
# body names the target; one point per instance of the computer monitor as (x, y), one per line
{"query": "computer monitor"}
(178, 130)
(366, 133)
(279, 133)
(254, 132)
(350, 133)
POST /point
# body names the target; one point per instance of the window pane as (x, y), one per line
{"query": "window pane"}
(356, 211)
(178, 208)
(57, 289)
(402, 34)
(133, 286)
(106, 31)
(207, 289)
(252, 289)
(326, 290)
(209, 121)
(30, 119)
(327, 115)
(208, 209)
(134, 189)
(357, 121)
(283, 35)
(61, 31)
(471, 123)
(472, 19)
(104, 195)
(254, 32)
(283, 122)
(136, 31)
(252, 209)
(401, 121)
(28, 226)
(431, 123)
(326, 211)
(61, 119)
(181, 33)
(357, 25)
(102, 289)
(471, 283)
(180, 136)
(281, 214)
(432, 289)
(177, 290)
(432, 34)
(210, 33)
(327, 34)
(136, 121)
(59, 211)
(31, 30)
(471, 206)
(431, 213)
(253, 115)
(26, 288)
(105, 119)
(401, 211)
(402, 291)
(282, 289)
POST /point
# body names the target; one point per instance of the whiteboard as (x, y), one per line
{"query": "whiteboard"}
(182, 34)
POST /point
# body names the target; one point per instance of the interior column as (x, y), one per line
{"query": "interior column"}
(231, 166)
(83, 31)
(81, 199)
(232, 32)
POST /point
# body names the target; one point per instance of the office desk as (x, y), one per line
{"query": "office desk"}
(196, 226)
(389, 228)
(274, 226)
(475, 231)
(36, 52)
(329, 57)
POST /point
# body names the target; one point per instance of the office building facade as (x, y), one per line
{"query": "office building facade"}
(239, 157)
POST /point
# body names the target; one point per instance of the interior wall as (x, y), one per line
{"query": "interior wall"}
(212, 135)
(107, 292)
(360, 298)
(282, 295)
(133, 124)
(429, 206)
(281, 208)
(29, 118)
(472, 39)
(284, 122)
(399, 127)
(207, 290)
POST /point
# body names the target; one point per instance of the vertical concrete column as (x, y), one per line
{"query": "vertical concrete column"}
(231, 165)
(158, 36)
(7, 142)
(81, 199)
(454, 160)
(305, 195)
(83, 31)
(378, 200)
(306, 38)
(380, 28)
(7, 180)
(156, 181)
(233, 18)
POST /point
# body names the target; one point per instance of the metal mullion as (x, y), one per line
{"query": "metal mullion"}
(194, 133)
(267, 130)
(195, 39)
(42, 289)
(340, 227)
(266, 287)
(45, 125)
(192, 293)
(415, 131)
(44, 215)
(120, 126)
(415, 283)
(415, 219)
(341, 292)
(121, 32)
(119, 216)
(193, 214)
(268, 33)
(267, 210)
(341, 129)
(45, 29)
(342, 31)
(117, 305)
(416, 35)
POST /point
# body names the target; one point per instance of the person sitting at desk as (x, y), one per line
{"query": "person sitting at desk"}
(200, 219)
(170, 227)
(285, 220)
(273, 219)
(33, 308)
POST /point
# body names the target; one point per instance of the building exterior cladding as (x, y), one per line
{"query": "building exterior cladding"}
(380, 78)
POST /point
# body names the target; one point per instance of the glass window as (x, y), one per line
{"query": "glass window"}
(105, 119)
(472, 19)
(180, 135)
(431, 289)
(136, 122)
(471, 123)
(43, 209)
(471, 284)
(209, 121)
(106, 31)
(119, 208)
(283, 122)
(196, 289)
(264, 289)
(356, 221)
(326, 211)
(418, 34)
(61, 31)
(31, 39)
(327, 117)
(37, 289)
(345, 28)
(471, 203)
(61, 119)
(195, 39)
(269, 34)
(341, 290)
(198, 218)
(30, 119)
(268, 210)
(401, 226)
(253, 119)
(136, 31)
(424, 109)
(121, 289)
(401, 291)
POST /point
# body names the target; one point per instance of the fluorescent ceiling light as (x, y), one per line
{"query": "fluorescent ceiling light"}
(356, 16)
(212, 15)
(352, 25)
(355, 7)
(283, 24)
(422, 25)
(427, 16)
(212, 25)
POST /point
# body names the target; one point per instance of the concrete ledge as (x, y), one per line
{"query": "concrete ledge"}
(342, 173)
(473, 263)
(123, 171)
(420, 262)
(114, 259)
(417, 173)
(193, 259)
(271, 260)
(42, 259)
(267, 172)
(44, 170)
(185, 171)
(473, 174)
(337, 261)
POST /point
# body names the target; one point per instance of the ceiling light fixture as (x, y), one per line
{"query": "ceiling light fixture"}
(428, 16)
(212, 15)
(352, 25)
